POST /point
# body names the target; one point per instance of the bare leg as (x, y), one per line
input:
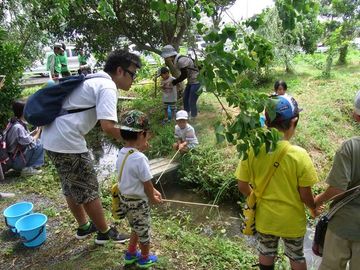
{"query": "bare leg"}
(77, 210)
(134, 239)
(266, 260)
(95, 211)
(298, 265)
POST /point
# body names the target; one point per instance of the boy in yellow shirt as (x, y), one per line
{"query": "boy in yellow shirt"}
(280, 213)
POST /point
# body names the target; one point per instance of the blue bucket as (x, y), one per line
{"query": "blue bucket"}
(16, 211)
(32, 229)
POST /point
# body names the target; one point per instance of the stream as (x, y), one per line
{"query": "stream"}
(226, 217)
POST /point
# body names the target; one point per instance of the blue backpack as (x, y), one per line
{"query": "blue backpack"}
(45, 105)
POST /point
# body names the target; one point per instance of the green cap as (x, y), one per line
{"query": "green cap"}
(134, 120)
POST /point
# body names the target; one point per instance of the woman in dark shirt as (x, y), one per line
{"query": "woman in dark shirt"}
(24, 147)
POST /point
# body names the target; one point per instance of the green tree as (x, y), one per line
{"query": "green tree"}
(343, 15)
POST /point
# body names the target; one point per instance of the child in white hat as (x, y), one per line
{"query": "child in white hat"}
(184, 133)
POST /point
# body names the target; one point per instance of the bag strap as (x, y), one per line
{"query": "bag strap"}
(344, 201)
(273, 169)
(123, 163)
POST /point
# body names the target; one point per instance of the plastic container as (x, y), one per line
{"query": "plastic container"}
(16, 211)
(32, 229)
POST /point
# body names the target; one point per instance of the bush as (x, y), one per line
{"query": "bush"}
(12, 66)
(205, 168)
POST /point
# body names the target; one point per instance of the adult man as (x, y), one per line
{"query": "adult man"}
(65, 144)
(342, 240)
(188, 70)
(53, 61)
(64, 62)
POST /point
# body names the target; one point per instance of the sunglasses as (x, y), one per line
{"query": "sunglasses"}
(132, 74)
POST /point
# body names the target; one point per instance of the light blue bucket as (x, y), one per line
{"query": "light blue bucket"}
(32, 229)
(16, 211)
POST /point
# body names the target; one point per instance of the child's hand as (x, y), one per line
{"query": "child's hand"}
(157, 198)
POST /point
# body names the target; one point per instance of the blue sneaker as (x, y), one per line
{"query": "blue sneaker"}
(131, 258)
(146, 263)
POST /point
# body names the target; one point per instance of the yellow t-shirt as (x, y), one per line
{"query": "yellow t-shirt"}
(280, 211)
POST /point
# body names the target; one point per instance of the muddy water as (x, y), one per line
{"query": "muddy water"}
(225, 217)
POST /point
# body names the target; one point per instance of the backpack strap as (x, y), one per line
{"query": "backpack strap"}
(344, 201)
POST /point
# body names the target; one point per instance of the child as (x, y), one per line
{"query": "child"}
(169, 93)
(136, 188)
(280, 213)
(280, 88)
(184, 133)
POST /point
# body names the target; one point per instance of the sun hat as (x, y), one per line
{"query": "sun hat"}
(285, 106)
(357, 103)
(168, 51)
(182, 115)
(134, 120)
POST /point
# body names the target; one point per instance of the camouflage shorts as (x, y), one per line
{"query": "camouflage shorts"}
(77, 176)
(268, 245)
(137, 213)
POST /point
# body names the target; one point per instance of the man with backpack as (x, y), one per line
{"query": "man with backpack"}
(188, 71)
(95, 99)
(342, 239)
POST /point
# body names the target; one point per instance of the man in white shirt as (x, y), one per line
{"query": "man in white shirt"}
(66, 146)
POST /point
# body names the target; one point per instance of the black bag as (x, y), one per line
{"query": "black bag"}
(321, 226)
(319, 237)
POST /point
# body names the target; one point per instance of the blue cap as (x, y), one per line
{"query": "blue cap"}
(286, 108)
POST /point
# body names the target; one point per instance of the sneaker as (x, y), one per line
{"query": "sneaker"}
(146, 263)
(82, 234)
(111, 234)
(27, 171)
(132, 258)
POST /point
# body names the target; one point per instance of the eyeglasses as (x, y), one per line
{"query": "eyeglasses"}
(132, 74)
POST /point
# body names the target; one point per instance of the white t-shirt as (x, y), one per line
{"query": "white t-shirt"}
(66, 133)
(136, 171)
(169, 90)
(187, 134)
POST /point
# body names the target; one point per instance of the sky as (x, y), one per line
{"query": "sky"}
(243, 9)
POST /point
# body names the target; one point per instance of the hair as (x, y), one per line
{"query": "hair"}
(121, 58)
(164, 70)
(280, 125)
(128, 135)
(279, 83)
(18, 108)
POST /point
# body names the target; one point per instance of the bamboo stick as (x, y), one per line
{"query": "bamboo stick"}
(192, 203)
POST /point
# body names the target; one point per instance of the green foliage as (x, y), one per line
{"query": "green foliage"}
(205, 168)
(11, 65)
(223, 75)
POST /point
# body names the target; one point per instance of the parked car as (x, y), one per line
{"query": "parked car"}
(321, 48)
(39, 67)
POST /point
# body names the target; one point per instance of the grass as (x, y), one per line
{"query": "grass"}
(180, 241)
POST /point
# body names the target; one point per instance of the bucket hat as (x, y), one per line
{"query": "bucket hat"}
(134, 120)
(168, 51)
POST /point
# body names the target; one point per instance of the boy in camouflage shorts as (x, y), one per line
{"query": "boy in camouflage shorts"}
(136, 188)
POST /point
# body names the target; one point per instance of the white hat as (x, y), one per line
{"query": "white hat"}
(59, 46)
(357, 103)
(182, 115)
(168, 51)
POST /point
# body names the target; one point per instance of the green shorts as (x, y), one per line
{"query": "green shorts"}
(268, 245)
(77, 176)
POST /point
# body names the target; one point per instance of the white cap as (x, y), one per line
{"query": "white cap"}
(58, 45)
(357, 103)
(182, 115)
(168, 51)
